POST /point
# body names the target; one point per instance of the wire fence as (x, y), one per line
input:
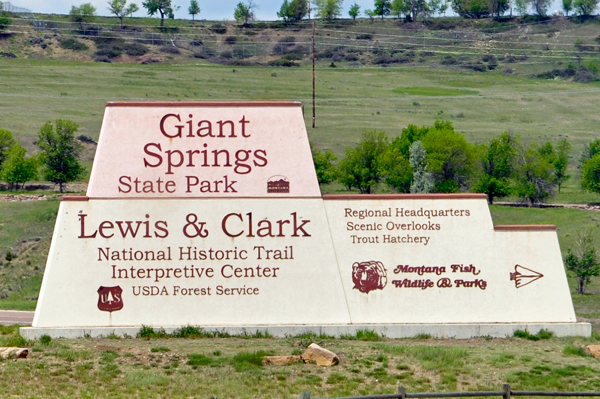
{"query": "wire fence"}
(206, 40)
(505, 393)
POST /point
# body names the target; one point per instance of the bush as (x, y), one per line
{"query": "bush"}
(106, 39)
(283, 63)
(218, 29)
(135, 49)
(196, 42)
(112, 50)
(231, 40)
(288, 41)
(204, 53)
(365, 36)
(170, 50)
(448, 60)
(86, 139)
(583, 76)
(296, 53)
(72, 44)
(102, 58)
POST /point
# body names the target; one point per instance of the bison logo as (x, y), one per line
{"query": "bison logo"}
(369, 276)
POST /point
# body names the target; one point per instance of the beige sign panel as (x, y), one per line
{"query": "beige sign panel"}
(203, 150)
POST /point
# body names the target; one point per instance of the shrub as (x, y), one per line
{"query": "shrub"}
(112, 50)
(86, 139)
(583, 76)
(135, 49)
(283, 63)
(170, 50)
(218, 29)
(364, 36)
(72, 44)
(204, 53)
(288, 41)
(196, 42)
(231, 40)
(102, 58)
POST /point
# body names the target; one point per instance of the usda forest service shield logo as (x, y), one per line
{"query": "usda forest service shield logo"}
(110, 299)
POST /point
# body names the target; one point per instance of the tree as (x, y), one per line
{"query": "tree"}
(498, 164)
(328, 9)
(370, 13)
(589, 151)
(499, 7)
(323, 160)
(567, 6)
(399, 7)
(120, 9)
(354, 11)
(60, 151)
(422, 180)
(382, 8)
(4, 20)
(585, 7)
(535, 182)
(540, 7)
(132, 8)
(194, 8)
(83, 14)
(590, 174)
(416, 7)
(438, 7)
(561, 162)
(471, 8)
(451, 159)
(399, 173)
(163, 7)
(6, 141)
(293, 11)
(521, 6)
(583, 262)
(243, 12)
(16, 169)
(362, 166)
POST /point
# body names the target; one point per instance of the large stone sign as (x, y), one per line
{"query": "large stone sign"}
(210, 214)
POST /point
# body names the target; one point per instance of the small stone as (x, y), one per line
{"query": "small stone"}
(322, 356)
(594, 350)
(280, 360)
(13, 353)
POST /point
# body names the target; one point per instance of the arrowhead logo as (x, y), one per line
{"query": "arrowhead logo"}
(110, 299)
(523, 276)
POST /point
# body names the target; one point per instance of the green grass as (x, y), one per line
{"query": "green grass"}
(434, 91)
(190, 367)
(349, 100)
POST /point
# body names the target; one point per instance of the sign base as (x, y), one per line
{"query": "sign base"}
(393, 331)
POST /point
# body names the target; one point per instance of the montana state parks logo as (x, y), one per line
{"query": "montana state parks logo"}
(110, 299)
(278, 185)
(369, 276)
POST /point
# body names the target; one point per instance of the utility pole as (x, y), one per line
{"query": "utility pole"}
(314, 118)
